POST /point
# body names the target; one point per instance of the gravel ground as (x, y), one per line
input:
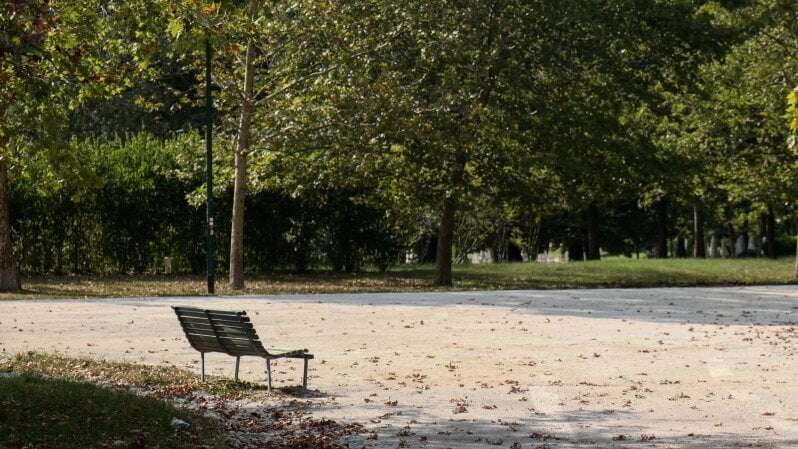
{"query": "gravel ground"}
(662, 368)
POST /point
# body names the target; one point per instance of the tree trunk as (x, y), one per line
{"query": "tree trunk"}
(9, 281)
(770, 234)
(443, 259)
(593, 243)
(301, 254)
(713, 245)
(732, 242)
(575, 251)
(681, 247)
(59, 262)
(796, 249)
(533, 241)
(746, 241)
(699, 243)
(240, 186)
(499, 248)
(661, 248)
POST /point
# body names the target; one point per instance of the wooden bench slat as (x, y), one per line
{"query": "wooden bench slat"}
(223, 312)
(205, 323)
(235, 333)
(203, 311)
(223, 340)
(200, 316)
(194, 321)
(213, 334)
(228, 345)
(216, 333)
(206, 320)
(204, 340)
(197, 314)
(225, 325)
(236, 350)
(200, 335)
(230, 319)
(197, 328)
(244, 325)
(248, 332)
(225, 315)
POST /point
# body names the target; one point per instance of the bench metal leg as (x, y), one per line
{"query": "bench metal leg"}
(269, 373)
(202, 357)
(238, 360)
(305, 375)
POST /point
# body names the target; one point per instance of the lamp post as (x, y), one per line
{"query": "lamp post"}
(211, 265)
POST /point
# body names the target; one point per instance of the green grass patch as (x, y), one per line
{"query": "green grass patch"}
(57, 402)
(612, 272)
(163, 381)
(625, 273)
(42, 412)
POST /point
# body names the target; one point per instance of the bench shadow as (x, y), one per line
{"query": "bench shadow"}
(300, 392)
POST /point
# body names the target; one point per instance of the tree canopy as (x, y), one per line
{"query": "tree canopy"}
(440, 128)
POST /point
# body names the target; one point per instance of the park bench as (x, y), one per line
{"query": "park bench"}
(232, 333)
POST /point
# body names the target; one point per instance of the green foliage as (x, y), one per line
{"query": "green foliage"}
(58, 54)
(369, 116)
(123, 210)
(751, 84)
(125, 206)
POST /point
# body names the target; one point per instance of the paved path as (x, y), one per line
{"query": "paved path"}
(692, 367)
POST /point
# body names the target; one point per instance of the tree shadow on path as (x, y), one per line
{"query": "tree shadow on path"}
(761, 306)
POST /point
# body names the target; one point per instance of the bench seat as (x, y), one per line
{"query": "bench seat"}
(232, 333)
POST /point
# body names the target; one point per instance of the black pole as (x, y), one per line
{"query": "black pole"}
(209, 167)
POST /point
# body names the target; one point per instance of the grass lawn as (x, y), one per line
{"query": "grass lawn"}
(56, 402)
(611, 272)
(50, 404)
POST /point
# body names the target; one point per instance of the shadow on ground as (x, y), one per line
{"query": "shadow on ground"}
(406, 427)
(762, 306)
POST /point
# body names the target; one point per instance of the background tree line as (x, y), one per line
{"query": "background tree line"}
(351, 132)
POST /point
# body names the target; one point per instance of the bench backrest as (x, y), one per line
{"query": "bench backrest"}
(219, 331)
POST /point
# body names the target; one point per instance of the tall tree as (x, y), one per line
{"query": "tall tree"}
(53, 56)
(240, 181)
(410, 88)
(450, 97)
(267, 54)
(739, 117)
(792, 116)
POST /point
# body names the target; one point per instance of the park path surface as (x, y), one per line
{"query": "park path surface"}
(663, 368)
